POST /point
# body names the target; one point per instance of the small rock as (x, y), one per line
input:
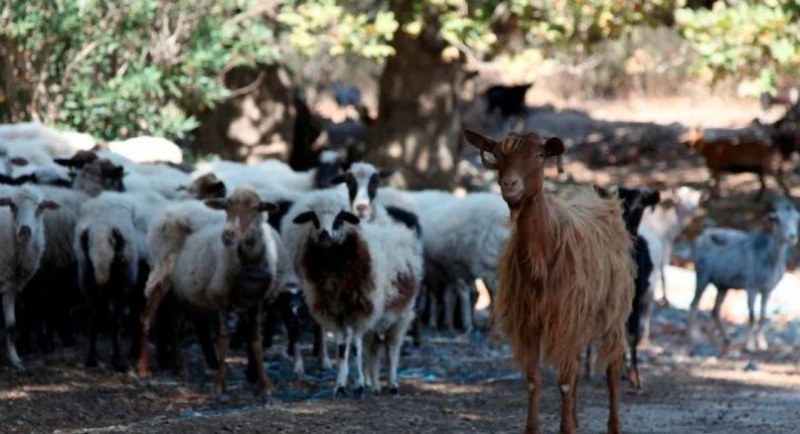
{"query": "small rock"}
(751, 367)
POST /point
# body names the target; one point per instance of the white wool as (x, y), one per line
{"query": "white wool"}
(55, 143)
(655, 246)
(17, 267)
(60, 226)
(147, 149)
(32, 150)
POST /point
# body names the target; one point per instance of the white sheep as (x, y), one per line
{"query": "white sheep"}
(22, 235)
(211, 266)
(147, 149)
(360, 280)
(110, 246)
(55, 143)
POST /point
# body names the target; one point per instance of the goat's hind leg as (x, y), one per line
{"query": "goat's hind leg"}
(750, 341)
(612, 380)
(567, 379)
(761, 339)
(721, 293)
(534, 377)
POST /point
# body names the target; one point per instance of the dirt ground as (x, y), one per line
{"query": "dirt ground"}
(467, 383)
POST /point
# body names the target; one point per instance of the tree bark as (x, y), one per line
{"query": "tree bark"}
(417, 129)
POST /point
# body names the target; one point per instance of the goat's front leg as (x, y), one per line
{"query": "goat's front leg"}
(222, 352)
(567, 380)
(9, 311)
(612, 380)
(344, 365)
(373, 346)
(257, 351)
(761, 339)
(394, 343)
(534, 386)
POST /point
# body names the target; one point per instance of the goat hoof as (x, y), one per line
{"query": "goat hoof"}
(394, 390)
(358, 392)
(340, 392)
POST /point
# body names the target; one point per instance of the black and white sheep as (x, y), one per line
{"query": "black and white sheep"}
(360, 280)
(753, 261)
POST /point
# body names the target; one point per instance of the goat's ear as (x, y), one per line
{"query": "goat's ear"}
(268, 207)
(480, 141)
(304, 217)
(220, 204)
(553, 147)
(349, 217)
(602, 192)
(338, 179)
(385, 173)
(6, 201)
(48, 204)
(18, 161)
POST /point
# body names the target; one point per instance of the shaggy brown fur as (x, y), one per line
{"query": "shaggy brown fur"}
(573, 285)
(341, 276)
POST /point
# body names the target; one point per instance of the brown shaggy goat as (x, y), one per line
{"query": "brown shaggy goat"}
(740, 151)
(565, 277)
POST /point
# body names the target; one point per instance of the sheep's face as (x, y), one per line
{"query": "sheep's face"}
(330, 226)
(362, 180)
(243, 210)
(519, 160)
(98, 176)
(27, 207)
(205, 187)
(785, 220)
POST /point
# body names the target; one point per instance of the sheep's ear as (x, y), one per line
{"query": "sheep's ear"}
(6, 201)
(18, 161)
(70, 162)
(480, 141)
(268, 207)
(304, 217)
(48, 204)
(338, 179)
(349, 217)
(553, 147)
(181, 188)
(219, 204)
(385, 173)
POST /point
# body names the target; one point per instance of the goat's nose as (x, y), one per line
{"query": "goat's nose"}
(24, 232)
(509, 182)
(361, 208)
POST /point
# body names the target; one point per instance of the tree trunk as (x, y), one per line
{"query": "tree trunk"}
(417, 129)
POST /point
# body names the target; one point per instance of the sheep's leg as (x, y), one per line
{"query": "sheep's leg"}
(465, 300)
(663, 276)
(157, 292)
(534, 386)
(394, 343)
(567, 377)
(433, 308)
(222, 351)
(647, 304)
(257, 350)
(721, 293)
(698, 294)
(344, 368)
(202, 326)
(589, 364)
(373, 346)
(358, 344)
(750, 341)
(117, 316)
(633, 371)
(612, 380)
(94, 326)
(324, 360)
(175, 322)
(761, 339)
(9, 312)
(293, 335)
(450, 307)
